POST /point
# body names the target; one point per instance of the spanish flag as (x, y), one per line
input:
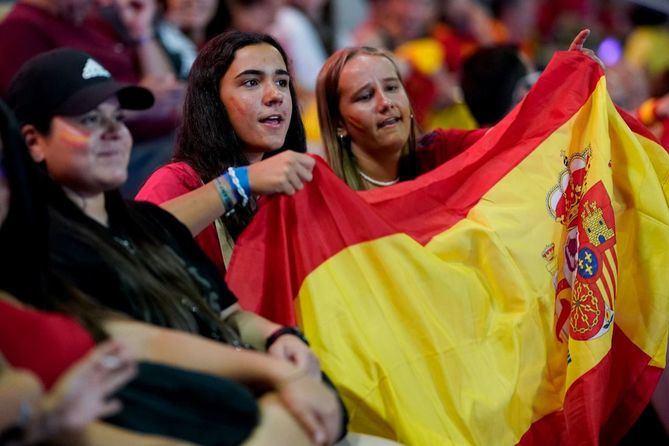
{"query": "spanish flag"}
(515, 295)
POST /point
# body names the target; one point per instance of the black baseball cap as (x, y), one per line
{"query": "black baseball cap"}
(68, 82)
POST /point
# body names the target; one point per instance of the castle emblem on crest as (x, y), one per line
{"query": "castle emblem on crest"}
(595, 226)
(584, 262)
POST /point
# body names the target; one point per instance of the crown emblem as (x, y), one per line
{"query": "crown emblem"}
(595, 227)
(93, 69)
(549, 252)
(564, 198)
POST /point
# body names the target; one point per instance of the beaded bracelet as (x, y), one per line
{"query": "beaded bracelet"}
(243, 175)
(225, 197)
(239, 178)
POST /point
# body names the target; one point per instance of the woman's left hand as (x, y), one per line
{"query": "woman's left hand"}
(292, 349)
(577, 45)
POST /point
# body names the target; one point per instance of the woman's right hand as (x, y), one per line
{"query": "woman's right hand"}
(578, 45)
(313, 405)
(284, 173)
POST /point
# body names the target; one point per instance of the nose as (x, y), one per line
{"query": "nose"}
(272, 95)
(384, 103)
(112, 127)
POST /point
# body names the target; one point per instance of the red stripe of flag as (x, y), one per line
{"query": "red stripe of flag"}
(601, 397)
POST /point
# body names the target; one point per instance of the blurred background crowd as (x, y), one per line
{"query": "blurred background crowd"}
(465, 63)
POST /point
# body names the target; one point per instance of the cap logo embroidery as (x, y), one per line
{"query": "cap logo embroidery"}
(93, 69)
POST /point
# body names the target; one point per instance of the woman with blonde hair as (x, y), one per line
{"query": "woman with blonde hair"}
(368, 126)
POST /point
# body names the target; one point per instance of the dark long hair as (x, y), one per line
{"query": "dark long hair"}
(155, 282)
(207, 140)
(23, 241)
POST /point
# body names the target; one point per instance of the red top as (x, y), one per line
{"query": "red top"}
(174, 180)
(45, 343)
(27, 31)
(439, 146)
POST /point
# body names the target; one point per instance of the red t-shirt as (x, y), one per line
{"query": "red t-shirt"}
(27, 31)
(45, 343)
(174, 180)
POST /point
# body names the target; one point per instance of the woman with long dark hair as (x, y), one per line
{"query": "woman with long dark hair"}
(242, 136)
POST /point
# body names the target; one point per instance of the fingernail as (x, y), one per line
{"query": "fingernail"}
(319, 437)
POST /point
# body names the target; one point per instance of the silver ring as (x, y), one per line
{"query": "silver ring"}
(110, 362)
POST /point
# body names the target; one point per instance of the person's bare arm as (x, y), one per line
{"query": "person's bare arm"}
(17, 388)
(284, 173)
(184, 350)
(103, 434)
(138, 16)
(157, 73)
(310, 402)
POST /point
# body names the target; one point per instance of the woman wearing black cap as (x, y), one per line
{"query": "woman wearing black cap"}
(135, 258)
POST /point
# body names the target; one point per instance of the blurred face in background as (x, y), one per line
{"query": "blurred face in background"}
(310, 7)
(253, 15)
(73, 11)
(406, 19)
(191, 14)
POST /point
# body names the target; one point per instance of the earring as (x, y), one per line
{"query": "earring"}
(341, 137)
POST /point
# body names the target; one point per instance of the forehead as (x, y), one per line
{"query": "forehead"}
(262, 56)
(365, 68)
(110, 104)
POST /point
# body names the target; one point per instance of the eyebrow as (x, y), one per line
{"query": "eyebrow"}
(280, 72)
(359, 90)
(387, 79)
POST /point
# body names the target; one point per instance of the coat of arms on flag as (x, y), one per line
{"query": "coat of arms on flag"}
(586, 282)
(427, 302)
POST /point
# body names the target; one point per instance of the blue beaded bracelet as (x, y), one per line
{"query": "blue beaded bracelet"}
(238, 178)
(224, 195)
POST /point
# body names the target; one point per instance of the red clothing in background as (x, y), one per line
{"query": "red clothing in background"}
(27, 31)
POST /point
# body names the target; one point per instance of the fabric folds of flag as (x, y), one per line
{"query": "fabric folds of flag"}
(516, 294)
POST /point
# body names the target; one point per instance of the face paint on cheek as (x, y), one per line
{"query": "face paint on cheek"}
(356, 123)
(238, 106)
(73, 136)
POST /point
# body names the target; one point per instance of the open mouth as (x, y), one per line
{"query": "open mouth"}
(272, 120)
(389, 122)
